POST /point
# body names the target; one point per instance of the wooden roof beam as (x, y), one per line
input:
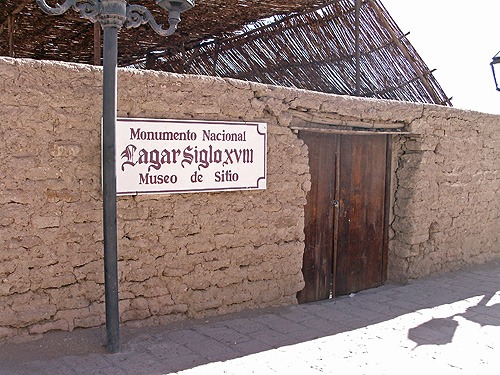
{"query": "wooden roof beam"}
(405, 52)
(16, 11)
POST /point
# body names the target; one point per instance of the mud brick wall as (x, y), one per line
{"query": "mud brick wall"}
(180, 255)
(193, 255)
(446, 202)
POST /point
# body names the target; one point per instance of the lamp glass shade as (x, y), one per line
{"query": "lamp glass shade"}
(178, 5)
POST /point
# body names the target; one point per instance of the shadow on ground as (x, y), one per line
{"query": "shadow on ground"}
(191, 343)
(443, 329)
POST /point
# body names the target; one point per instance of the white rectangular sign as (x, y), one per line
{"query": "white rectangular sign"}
(177, 156)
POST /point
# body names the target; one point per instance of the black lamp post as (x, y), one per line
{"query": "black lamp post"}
(113, 15)
(494, 61)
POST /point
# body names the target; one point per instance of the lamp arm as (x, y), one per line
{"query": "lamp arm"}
(58, 9)
(494, 75)
(138, 15)
(88, 9)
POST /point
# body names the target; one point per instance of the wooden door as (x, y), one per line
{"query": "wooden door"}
(345, 214)
(319, 215)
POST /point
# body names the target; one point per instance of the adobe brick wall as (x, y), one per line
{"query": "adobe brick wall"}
(193, 255)
(447, 193)
(181, 255)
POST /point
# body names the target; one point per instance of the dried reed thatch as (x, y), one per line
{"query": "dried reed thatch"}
(349, 47)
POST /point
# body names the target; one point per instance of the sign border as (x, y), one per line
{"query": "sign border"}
(258, 126)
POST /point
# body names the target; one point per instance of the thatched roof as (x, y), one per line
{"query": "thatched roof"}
(311, 44)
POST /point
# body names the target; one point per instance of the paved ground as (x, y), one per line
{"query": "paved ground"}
(447, 324)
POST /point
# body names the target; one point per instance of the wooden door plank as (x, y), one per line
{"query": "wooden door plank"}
(319, 215)
(360, 248)
(336, 217)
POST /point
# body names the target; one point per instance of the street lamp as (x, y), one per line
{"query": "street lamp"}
(495, 60)
(113, 15)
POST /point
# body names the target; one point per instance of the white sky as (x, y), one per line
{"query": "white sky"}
(458, 38)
